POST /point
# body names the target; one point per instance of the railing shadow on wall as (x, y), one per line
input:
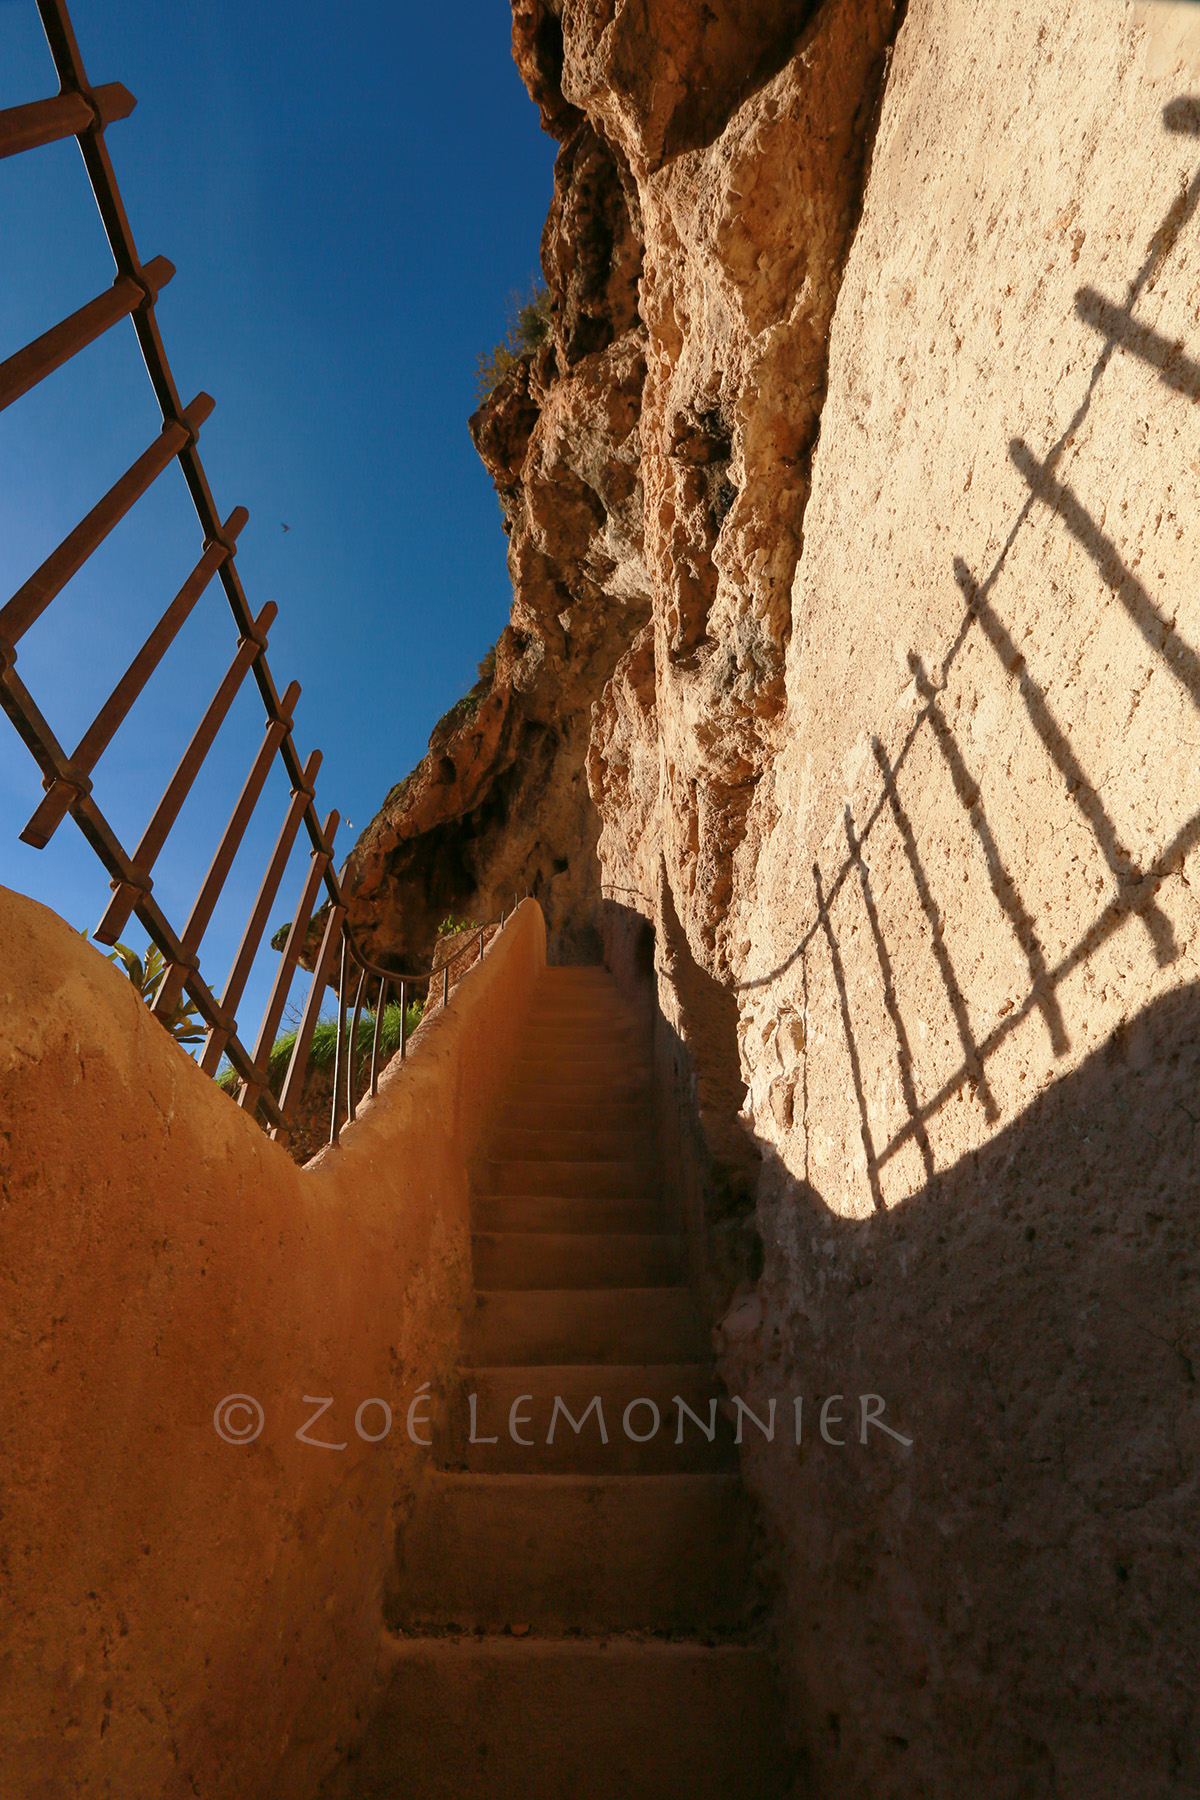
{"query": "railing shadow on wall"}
(1136, 884)
(82, 111)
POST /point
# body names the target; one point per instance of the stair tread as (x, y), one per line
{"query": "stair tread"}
(626, 1717)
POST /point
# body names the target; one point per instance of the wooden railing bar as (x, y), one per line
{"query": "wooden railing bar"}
(64, 115)
(26, 367)
(171, 985)
(243, 962)
(289, 1099)
(31, 600)
(83, 111)
(180, 784)
(104, 726)
(297, 935)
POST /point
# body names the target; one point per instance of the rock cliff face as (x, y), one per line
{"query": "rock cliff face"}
(500, 802)
(852, 522)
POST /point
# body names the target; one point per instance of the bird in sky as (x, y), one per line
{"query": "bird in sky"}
(285, 527)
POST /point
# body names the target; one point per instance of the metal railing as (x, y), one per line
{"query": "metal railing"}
(82, 111)
(346, 1047)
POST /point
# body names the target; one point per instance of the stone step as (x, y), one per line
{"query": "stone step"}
(599, 1325)
(560, 1212)
(547, 1143)
(584, 1063)
(601, 1030)
(590, 1180)
(535, 1718)
(575, 1259)
(594, 1553)
(610, 1024)
(556, 975)
(586, 1111)
(584, 1452)
(585, 1052)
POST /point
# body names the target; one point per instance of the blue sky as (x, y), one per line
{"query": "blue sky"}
(350, 200)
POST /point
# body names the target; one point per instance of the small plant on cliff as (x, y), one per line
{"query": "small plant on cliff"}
(528, 329)
(450, 926)
(464, 710)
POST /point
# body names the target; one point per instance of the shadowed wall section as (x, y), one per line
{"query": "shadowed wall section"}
(951, 910)
(184, 1613)
(968, 960)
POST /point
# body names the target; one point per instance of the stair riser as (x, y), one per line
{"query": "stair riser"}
(551, 1212)
(586, 1112)
(563, 1078)
(584, 1452)
(587, 1180)
(596, 1553)
(575, 1260)
(632, 1325)
(547, 1144)
(537, 1720)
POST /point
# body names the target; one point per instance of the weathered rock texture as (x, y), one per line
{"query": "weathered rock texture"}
(966, 953)
(500, 803)
(905, 776)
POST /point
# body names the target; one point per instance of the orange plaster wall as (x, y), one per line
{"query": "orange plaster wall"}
(183, 1615)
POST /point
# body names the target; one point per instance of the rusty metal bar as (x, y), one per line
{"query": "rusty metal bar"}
(33, 727)
(104, 842)
(337, 1042)
(30, 601)
(65, 115)
(297, 934)
(171, 985)
(180, 784)
(380, 1007)
(352, 1052)
(243, 962)
(289, 1100)
(73, 78)
(104, 726)
(84, 111)
(25, 368)
(71, 73)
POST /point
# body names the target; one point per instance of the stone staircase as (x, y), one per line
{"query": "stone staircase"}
(572, 1617)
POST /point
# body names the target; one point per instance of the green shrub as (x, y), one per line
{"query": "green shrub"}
(324, 1044)
(185, 1024)
(450, 925)
(465, 709)
(528, 329)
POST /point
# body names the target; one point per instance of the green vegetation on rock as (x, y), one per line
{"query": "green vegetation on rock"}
(528, 329)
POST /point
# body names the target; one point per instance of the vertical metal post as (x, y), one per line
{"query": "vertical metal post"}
(352, 1052)
(380, 1006)
(293, 1084)
(337, 1053)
